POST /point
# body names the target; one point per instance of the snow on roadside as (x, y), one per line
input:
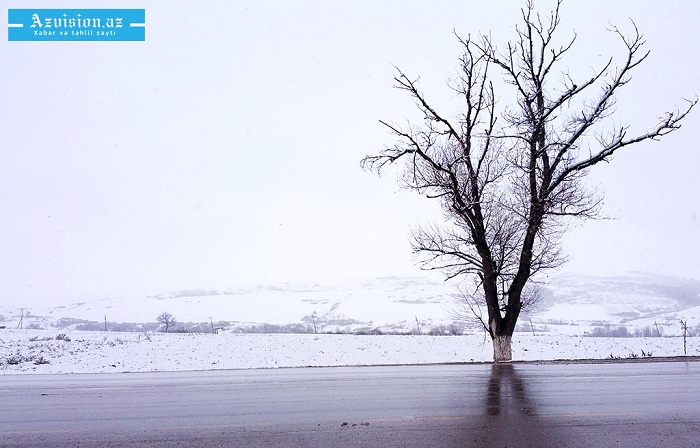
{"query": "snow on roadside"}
(47, 352)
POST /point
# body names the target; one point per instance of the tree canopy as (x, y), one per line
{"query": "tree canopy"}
(508, 168)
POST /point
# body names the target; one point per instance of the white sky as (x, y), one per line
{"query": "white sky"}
(225, 148)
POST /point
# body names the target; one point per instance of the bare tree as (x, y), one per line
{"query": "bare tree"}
(166, 319)
(510, 179)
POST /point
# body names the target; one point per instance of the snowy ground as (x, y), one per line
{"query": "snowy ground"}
(50, 352)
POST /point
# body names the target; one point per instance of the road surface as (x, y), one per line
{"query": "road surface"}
(512, 405)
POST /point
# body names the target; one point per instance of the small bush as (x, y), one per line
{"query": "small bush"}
(37, 338)
(62, 337)
(115, 342)
(14, 360)
(19, 358)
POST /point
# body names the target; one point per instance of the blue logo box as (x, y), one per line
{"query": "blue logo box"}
(76, 24)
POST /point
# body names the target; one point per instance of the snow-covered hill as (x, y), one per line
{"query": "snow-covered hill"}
(571, 304)
(637, 301)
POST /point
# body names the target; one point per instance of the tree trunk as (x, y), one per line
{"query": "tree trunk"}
(501, 349)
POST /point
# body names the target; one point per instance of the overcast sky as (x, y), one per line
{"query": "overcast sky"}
(225, 148)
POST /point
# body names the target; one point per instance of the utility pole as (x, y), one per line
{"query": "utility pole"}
(21, 318)
(105, 323)
(684, 326)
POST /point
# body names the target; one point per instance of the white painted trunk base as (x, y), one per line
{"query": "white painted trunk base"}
(501, 349)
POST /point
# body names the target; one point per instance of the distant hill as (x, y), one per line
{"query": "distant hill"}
(570, 304)
(635, 300)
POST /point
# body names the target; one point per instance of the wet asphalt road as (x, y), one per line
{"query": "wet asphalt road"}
(515, 405)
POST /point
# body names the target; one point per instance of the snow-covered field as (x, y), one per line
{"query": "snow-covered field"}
(48, 337)
(46, 351)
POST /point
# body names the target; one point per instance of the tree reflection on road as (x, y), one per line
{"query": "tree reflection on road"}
(506, 392)
(510, 412)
